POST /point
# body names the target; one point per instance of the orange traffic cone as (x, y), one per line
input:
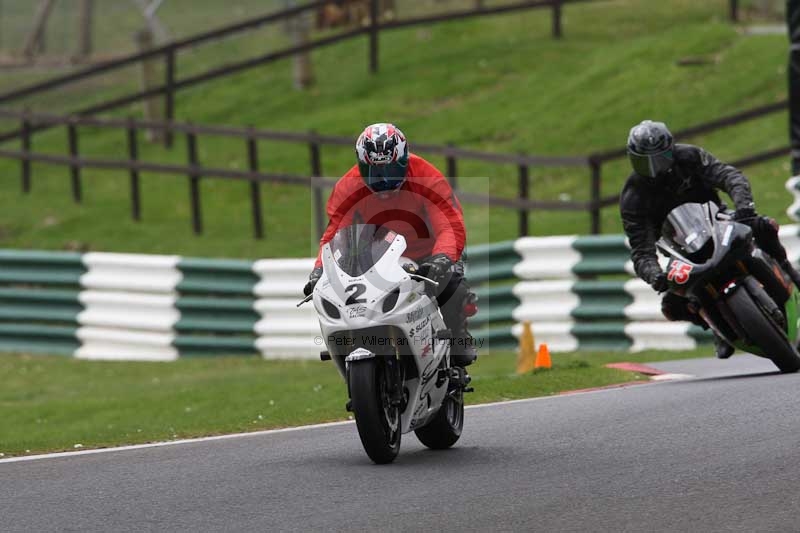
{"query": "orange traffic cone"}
(526, 357)
(543, 357)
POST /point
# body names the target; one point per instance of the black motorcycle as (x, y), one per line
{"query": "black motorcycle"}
(740, 291)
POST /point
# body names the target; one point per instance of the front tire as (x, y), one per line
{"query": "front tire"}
(377, 420)
(763, 331)
(445, 428)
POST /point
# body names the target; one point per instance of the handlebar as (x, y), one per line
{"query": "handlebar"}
(412, 272)
(423, 278)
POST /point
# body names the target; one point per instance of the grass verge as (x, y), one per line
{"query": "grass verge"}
(54, 404)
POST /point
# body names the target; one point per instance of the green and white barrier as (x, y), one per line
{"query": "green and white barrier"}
(490, 271)
(161, 307)
(570, 313)
(216, 306)
(285, 330)
(577, 292)
(129, 307)
(39, 301)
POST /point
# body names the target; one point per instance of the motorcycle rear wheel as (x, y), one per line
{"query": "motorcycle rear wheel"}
(445, 428)
(377, 420)
(763, 331)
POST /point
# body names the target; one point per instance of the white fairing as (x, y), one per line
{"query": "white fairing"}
(415, 314)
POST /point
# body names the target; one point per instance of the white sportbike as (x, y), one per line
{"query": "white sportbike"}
(383, 329)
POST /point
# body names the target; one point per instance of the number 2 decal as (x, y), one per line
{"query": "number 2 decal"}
(358, 289)
(679, 272)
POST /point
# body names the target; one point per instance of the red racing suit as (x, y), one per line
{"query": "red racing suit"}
(424, 210)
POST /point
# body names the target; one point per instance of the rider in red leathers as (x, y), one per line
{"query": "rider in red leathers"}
(391, 187)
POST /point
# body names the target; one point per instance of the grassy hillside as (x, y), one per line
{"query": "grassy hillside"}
(498, 83)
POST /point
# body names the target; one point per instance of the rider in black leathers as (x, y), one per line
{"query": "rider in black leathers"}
(666, 175)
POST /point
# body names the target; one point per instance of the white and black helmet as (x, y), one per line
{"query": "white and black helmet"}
(650, 146)
(382, 153)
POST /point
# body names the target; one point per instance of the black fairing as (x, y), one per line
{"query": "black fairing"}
(709, 252)
(707, 240)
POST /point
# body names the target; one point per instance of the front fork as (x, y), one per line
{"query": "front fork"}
(765, 286)
(394, 381)
(393, 373)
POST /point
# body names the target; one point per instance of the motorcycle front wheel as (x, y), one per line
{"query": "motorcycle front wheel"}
(445, 428)
(763, 331)
(377, 420)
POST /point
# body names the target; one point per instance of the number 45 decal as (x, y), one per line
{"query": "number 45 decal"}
(679, 272)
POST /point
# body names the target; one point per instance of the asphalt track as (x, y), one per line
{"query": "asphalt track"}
(718, 452)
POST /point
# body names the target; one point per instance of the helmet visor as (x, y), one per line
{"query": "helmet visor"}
(383, 178)
(653, 165)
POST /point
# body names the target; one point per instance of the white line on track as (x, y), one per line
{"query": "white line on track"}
(286, 430)
(670, 377)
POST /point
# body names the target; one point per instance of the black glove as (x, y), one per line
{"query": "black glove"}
(659, 282)
(746, 215)
(313, 278)
(436, 267)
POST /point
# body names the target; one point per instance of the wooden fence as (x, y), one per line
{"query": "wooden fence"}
(195, 170)
(168, 53)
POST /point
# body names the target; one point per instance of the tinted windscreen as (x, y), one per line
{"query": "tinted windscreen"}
(688, 227)
(357, 248)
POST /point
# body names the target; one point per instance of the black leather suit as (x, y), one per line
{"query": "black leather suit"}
(696, 176)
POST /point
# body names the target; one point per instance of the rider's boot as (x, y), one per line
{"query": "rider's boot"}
(463, 352)
(462, 345)
(722, 348)
(787, 266)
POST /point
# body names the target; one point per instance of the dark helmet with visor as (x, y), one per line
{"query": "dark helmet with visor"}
(382, 153)
(650, 147)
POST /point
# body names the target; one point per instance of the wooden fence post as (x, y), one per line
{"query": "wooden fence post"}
(524, 189)
(557, 19)
(734, 10)
(316, 172)
(298, 28)
(255, 186)
(133, 155)
(25, 131)
(75, 168)
(596, 167)
(169, 96)
(373, 35)
(144, 42)
(35, 41)
(452, 170)
(85, 28)
(194, 182)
